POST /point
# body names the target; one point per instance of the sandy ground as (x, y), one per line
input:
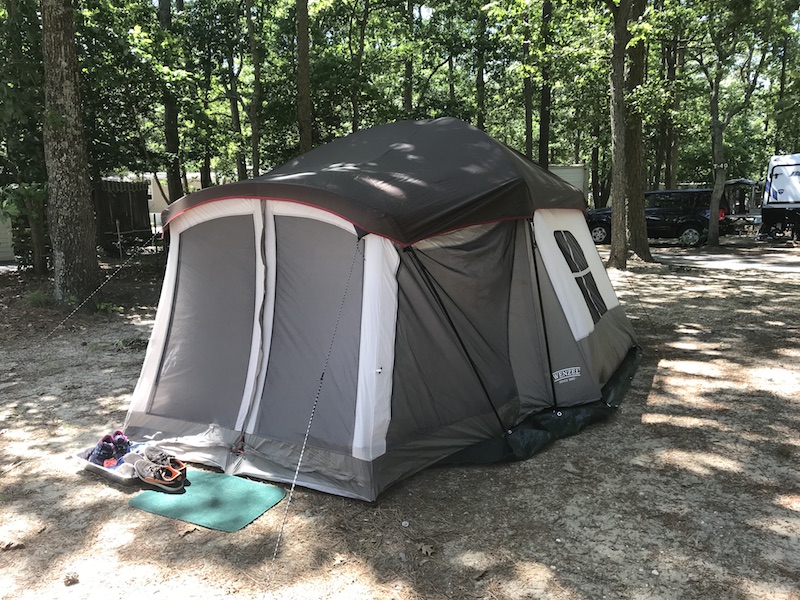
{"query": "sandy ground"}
(691, 491)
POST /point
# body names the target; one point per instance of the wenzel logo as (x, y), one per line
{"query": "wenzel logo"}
(568, 374)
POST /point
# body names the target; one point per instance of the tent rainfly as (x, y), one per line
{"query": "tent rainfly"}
(411, 294)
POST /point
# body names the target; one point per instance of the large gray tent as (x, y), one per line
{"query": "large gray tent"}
(406, 295)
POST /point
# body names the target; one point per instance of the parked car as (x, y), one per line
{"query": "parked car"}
(679, 214)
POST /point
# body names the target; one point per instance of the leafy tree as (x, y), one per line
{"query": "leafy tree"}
(731, 45)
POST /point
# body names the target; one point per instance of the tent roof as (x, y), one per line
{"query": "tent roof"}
(407, 181)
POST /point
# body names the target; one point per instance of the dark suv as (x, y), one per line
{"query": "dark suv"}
(681, 214)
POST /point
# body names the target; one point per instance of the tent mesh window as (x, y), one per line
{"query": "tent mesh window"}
(576, 260)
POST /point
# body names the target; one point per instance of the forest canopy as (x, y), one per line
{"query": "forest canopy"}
(211, 86)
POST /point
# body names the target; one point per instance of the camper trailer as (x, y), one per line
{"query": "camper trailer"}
(780, 209)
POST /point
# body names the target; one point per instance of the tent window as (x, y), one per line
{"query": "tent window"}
(576, 260)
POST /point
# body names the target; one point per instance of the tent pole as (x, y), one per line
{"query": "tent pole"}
(541, 312)
(429, 282)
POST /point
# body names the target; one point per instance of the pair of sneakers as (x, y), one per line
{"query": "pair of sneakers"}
(158, 469)
(110, 449)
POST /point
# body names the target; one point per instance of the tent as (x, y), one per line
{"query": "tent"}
(409, 294)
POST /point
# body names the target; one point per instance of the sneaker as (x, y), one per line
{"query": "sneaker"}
(160, 476)
(160, 457)
(103, 452)
(121, 444)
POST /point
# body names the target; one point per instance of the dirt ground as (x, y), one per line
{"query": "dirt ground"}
(691, 491)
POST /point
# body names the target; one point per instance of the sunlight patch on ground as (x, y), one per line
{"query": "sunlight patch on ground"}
(762, 590)
(789, 352)
(691, 367)
(790, 501)
(15, 524)
(480, 561)
(786, 528)
(339, 586)
(686, 401)
(534, 580)
(779, 381)
(699, 463)
(116, 534)
(685, 422)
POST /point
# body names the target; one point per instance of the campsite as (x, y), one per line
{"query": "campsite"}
(689, 491)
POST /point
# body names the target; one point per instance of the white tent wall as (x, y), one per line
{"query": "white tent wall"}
(602, 339)
(212, 444)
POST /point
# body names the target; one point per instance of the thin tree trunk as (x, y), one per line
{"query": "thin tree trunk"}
(70, 212)
(358, 63)
(545, 99)
(778, 146)
(719, 166)
(35, 209)
(672, 144)
(597, 196)
(480, 83)
(171, 136)
(527, 84)
(254, 112)
(451, 80)
(305, 119)
(236, 121)
(408, 74)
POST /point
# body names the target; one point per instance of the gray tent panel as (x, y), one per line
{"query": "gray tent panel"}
(609, 344)
(314, 261)
(408, 181)
(526, 330)
(434, 383)
(207, 351)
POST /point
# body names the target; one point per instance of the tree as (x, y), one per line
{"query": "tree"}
(304, 110)
(634, 144)
(545, 98)
(71, 219)
(731, 48)
(618, 257)
(171, 134)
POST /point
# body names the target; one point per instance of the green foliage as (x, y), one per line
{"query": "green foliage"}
(39, 298)
(109, 308)
(365, 53)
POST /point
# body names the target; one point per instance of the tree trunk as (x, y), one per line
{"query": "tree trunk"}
(236, 121)
(254, 112)
(527, 85)
(634, 146)
(205, 168)
(358, 63)
(545, 99)
(597, 200)
(618, 257)
(35, 209)
(480, 83)
(778, 145)
(304, 110)
(719, 167)
(672, 143)
(70, 212)
(408, 75)
(171, 137)
(451, 80)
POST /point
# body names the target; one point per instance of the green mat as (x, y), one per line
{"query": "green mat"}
(213, 500)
